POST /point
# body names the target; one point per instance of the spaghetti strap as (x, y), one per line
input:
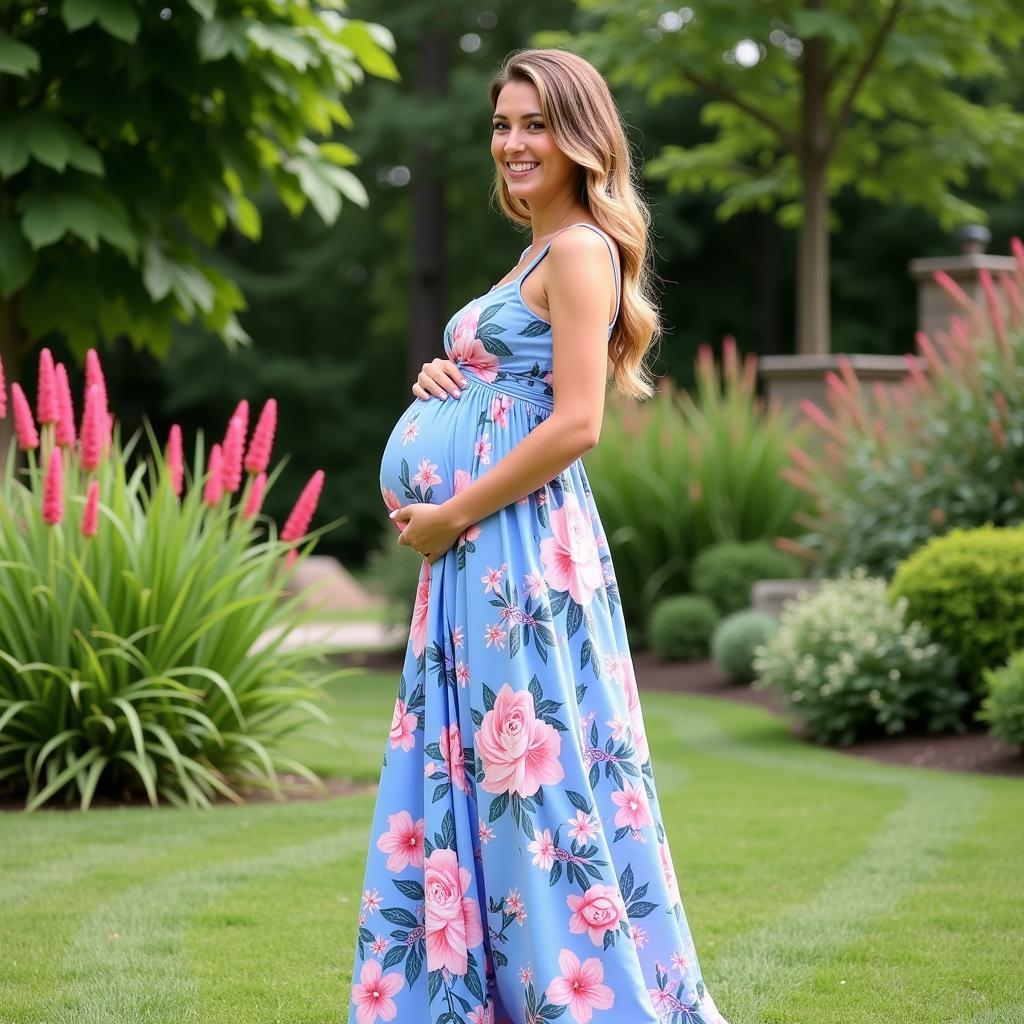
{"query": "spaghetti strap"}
(611, 252)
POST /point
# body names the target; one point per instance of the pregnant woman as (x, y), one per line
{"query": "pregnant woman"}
(519, 869)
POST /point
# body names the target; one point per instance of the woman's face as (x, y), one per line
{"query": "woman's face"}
(520, 139)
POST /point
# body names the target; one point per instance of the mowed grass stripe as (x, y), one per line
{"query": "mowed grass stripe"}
(760, 969)
(129, 962)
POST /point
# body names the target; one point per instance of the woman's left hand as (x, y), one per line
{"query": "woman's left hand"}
(428, 530)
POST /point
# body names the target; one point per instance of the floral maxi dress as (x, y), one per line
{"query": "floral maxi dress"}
(518, 867)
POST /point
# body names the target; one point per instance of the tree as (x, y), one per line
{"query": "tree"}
(804, 101)
(132, 134)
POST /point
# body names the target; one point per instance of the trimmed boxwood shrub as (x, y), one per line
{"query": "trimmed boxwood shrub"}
(735, 640)
(1003, 706)
(727, 572)
(680, 627)
(967, 588)
(850, 664)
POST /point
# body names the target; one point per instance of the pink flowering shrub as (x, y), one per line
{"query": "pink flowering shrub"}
(138, 590)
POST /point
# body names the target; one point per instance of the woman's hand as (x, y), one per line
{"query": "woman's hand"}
(438, 379)
(428, 529)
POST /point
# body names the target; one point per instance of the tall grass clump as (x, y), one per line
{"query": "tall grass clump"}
(943, 449)
(682, 471)
(133, 590)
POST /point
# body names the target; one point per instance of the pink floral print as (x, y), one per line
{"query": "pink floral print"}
(454, 759)
(403, 842)
(373, 994)
(570, 557)
(468, 351)
(453, 922)
(597, 911)
(580, 987)
(403, 727)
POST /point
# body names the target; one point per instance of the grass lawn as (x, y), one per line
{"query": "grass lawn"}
(820, 888)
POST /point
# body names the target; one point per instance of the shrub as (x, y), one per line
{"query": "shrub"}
(1003, 706)
(735, 640)
(132, 608)
(727, 572)
(944, 449)
(968, 589)
(849, 664)
(680, 472)
(680, 627)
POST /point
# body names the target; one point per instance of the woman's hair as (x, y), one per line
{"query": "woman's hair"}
(586, 126)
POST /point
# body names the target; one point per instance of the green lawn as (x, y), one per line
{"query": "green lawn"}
(820, 888)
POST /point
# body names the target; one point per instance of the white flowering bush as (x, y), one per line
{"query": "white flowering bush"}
(849, 665)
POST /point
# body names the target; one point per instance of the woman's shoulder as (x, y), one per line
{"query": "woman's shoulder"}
(585, 243)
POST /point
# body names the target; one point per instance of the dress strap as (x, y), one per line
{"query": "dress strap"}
(547, 245)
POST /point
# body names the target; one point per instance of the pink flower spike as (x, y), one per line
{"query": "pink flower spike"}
(254, 502)
(1017, 248)
(3, 393)
(953, 290)
(65, 409)
(93, 428)
(297, 524)
(258, 456)
(53, 488)
(24, 425)
(91, 515)
(242, 412)
(94, 375)
(214, 489)
(46, 391)
(234, 442)
(175, 459)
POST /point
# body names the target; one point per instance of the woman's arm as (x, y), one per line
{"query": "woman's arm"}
(580, 293)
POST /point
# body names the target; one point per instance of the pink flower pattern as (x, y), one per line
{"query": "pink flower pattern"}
(580, 987)
(403, 842)
(373, 994)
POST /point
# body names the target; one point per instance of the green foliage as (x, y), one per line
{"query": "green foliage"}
(394, 570)
(944, 449)
(899, 121)
(681, 472)
(680, 627)
(726, 573)
(1003, 706)
(968, 589)
(129, 660)
(735, 640)
(132, 135)
(850, 664)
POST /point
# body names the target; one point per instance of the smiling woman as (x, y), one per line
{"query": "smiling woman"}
(518, 865)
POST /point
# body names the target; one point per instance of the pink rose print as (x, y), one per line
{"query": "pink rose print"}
(600, 909)
(403, 841)
(580, 987)
(453, 922)
(519, 751)
(403, 727)
(500, 406)
(468, 350)
(454, 757)
(570, 557)
(462, 481)
(372, 994)
(636, 717)
(418, 633)
(633, 808)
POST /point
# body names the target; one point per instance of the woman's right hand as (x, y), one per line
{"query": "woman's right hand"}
(438, 379)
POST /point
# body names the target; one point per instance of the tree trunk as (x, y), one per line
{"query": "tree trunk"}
(813, 324)
(766, 283)
(428, 272)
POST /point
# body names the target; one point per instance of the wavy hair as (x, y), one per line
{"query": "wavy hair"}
(585, 123)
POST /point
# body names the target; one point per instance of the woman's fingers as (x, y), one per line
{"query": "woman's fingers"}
(439, 378)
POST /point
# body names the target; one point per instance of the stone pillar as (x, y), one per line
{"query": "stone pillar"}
(934, 306)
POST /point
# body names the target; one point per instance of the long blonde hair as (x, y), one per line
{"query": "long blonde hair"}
(586, 126)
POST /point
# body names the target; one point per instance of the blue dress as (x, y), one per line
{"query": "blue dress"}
(518, 867)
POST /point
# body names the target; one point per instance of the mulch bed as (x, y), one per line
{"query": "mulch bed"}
(973, 751)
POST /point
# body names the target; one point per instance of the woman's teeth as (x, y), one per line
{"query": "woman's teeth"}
(520, 170)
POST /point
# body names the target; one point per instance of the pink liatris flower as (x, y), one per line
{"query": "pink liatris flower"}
(570, 557)
(91, 514)
(234, 443)
(452, 919)
(53, 489)
(214, 489)
(94, 426)
(580, 987)
(3, 392)
(297, 523)
(257, 458)
(242, 413)
(46, 392)
(254, 502)
(24, 425)
(175, 459)
(372, 993)
(94, 377)
(403, 841)
(65, 409)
